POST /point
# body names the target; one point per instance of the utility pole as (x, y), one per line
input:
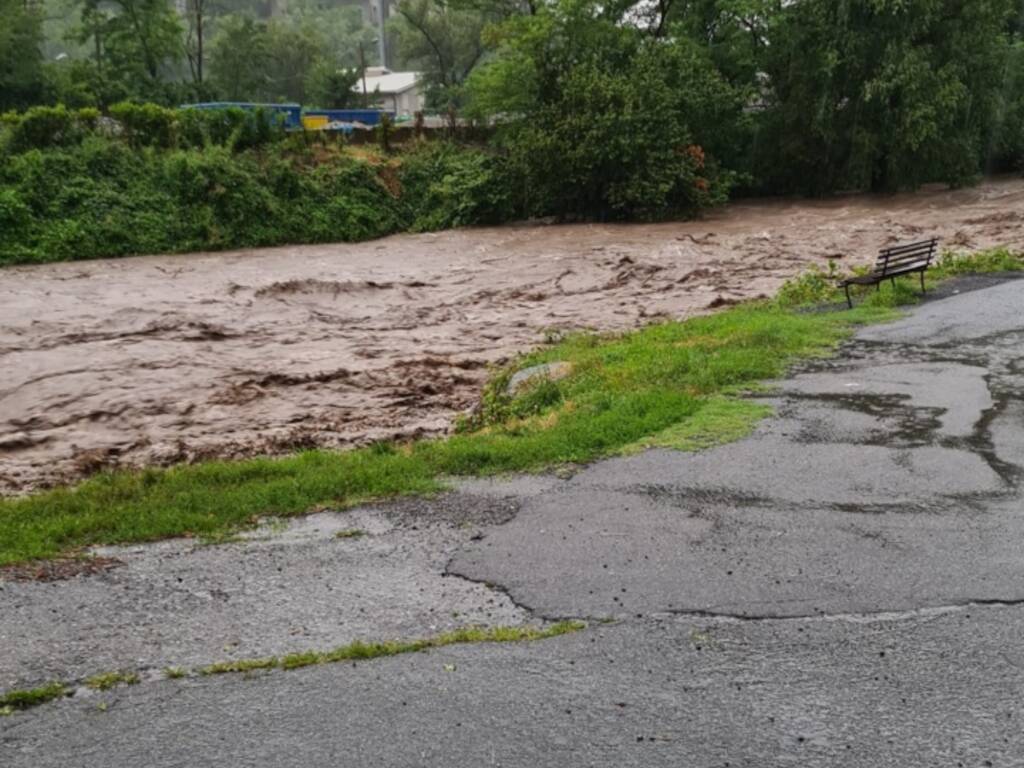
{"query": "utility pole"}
(382, 32)
(362, 69)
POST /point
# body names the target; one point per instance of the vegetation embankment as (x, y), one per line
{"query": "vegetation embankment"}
(161, 181)
(675, 384)
(602, 111)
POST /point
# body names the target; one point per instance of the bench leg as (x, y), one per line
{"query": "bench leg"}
(893, 281)
(878, 287)
(849, 301)
(922, 282)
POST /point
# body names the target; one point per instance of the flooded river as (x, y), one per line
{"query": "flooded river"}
(163, 359)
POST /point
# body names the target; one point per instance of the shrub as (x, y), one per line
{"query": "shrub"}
(814, 286)
(44, 127)
(446, 186)
(147, 125)
(995, 260)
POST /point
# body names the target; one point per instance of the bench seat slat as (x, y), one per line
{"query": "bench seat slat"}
(915, 259)
(924, 245)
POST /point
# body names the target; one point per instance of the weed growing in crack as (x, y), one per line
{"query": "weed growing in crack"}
(241, 665)
(356, 651)
(107, 680)
(26, 699)
(350, 533)
(364, 651)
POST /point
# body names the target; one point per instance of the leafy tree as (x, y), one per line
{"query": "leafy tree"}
(197, 13)
(443, 40)
(331, 86)
(292, 53)
(238, 53)
(880, 94)
(21, 71)
(601, 118)
(274, 61)
(136, 46)
(1005, 144)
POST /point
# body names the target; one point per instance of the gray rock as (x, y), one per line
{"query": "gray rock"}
(552, 371)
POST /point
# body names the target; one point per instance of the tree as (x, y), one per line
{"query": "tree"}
(196, 14)
(331, 87)
(21, 61)
(881, 94)
(443, 40)
(237, 55)
(143, 34)
(600, 118)
(136, 46)
(272, 61)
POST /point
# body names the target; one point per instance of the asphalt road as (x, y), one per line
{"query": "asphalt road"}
(843, 588)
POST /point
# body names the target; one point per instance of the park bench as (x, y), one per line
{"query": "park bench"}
(893, 262)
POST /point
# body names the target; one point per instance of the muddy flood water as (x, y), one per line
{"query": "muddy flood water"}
(163, 359)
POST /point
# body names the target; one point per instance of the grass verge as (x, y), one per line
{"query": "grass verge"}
(16, 700)
(356, 651)
(363, 651)
(673, 384)
(107, 680)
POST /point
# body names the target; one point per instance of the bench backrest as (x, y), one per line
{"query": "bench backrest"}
(900, 258)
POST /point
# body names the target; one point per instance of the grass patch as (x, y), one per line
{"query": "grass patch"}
(350, 533)
(951, 263)
(722, 420)
(818, 287)
(363, 651)
(107, 680)
(623, 389)
(356, 651)
(242, 665)
(33, 697)
(672, 384)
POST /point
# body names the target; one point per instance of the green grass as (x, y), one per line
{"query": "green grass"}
(242, 665)
(673, 384)
(624, 389)
(356, 651)
(363, 651)
(350, 533)
(722, 420)
(107, 680)
(817, 287)
(15, 700)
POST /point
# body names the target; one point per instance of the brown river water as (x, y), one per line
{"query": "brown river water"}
(164, 359)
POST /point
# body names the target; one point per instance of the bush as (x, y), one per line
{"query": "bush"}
(995, 260)
(106, 198)
(44, 127)
(814, 286)
(445, 186)
(147, 125)
(232, 127)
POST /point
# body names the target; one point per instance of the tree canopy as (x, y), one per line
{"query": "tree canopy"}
(604, 108)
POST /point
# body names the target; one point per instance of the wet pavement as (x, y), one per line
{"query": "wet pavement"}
(844, 587)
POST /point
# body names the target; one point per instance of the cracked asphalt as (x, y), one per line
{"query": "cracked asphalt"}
(844, 587)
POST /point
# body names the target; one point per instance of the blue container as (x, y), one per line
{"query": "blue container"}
(291, 114)
(364, 116)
